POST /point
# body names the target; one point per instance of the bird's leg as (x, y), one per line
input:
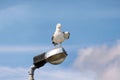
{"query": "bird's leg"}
(55, 45)
(60, 44)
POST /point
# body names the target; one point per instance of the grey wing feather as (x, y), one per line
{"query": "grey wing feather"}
(66, 35)
(53, 41)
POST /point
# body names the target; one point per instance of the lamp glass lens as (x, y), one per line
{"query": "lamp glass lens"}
(57, 59)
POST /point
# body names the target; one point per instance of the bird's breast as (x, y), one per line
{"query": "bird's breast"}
(58, 38)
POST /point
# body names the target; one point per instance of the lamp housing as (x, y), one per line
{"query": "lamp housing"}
(54, 56)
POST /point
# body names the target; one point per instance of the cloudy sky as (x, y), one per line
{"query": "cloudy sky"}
(26, 27)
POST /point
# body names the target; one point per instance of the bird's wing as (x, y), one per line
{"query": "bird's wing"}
(66, 35)
(52, 39)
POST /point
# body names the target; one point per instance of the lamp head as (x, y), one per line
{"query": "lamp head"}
(56, 56)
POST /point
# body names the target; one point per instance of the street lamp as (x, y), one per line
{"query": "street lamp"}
(54, 56)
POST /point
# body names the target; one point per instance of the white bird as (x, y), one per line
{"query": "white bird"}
(59, 36)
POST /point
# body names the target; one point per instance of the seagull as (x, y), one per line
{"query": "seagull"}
(59, 36)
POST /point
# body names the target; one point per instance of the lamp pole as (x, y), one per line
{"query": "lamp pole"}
(31, 72)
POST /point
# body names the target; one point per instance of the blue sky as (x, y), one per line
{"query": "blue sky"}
(26, 27)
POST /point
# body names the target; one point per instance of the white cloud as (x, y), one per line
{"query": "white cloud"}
(13, 14)
(103, 60)
(17, 48)
(8, 73)
(21, 12)
(112, 72)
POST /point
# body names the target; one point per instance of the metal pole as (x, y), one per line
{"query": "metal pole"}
(31, 72)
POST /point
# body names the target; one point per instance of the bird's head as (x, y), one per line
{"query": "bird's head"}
(58, 26)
